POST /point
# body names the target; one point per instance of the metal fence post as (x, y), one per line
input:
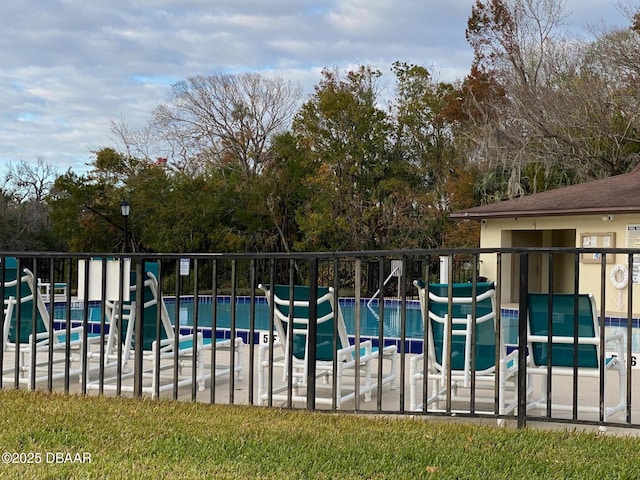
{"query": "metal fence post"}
(522, 340)
(313, 333)
(138, 329)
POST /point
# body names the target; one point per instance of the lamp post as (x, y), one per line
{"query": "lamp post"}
(124, 210)
(137, 371)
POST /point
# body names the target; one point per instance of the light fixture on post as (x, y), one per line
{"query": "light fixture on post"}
(125, 210)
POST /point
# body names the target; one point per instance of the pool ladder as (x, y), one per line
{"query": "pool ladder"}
(396, 272)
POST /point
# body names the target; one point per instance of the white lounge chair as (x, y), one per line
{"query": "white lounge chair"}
(333, 351)
(159, 354)
(464, 314)
(557, 331)
(42, 352)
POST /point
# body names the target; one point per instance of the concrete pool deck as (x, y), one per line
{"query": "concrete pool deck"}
(390, 401)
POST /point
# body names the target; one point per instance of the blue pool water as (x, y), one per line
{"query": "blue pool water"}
(369, 322)
(369, 317)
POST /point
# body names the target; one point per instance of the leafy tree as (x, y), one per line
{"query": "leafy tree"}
(423, 136)
(345, 134)
(276, 195)
(86, 213)
(113, 167)
(85, 210)
(425, 151)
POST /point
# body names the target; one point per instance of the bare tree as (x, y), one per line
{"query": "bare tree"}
(26, 181)
(225, 119)
(24, 212)
(563, 117)
(142, 144)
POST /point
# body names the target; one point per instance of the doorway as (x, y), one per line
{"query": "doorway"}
(563, 271)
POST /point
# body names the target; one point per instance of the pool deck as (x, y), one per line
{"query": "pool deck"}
(390, 400)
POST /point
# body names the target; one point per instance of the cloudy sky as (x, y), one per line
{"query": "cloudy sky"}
(70, 67)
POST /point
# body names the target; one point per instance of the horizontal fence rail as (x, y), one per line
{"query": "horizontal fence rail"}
(514, 334)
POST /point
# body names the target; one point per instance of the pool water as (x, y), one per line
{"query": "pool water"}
(369, 317)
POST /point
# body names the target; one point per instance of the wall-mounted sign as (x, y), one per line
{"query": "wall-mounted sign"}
(633, 241)
(597, 240)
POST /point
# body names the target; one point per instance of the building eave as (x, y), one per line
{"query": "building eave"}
(483, 215)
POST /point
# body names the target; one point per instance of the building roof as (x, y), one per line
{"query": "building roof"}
(618, 194)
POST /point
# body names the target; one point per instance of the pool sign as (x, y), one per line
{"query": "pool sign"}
(633, 241)
(184, 267)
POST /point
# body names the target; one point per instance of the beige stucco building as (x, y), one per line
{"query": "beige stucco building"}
(599, 214)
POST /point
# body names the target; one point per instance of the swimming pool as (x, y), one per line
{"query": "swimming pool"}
(369, 318)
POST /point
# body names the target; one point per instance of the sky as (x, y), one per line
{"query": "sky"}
(68, 68)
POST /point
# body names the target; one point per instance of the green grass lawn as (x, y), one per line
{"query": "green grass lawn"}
(130, 438)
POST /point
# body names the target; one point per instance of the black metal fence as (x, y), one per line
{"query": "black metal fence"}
(199, 327)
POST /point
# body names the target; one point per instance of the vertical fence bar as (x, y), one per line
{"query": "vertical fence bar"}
(522, 340)
(602, 356)
(195, 371)
(549, 376)
(50, 310)
(272, 284)
(121, 331)
(67, 347)
(336, 303)
(103, 326)
(290, 333)
(402, 280)
(357, 313)
(576, 323)
(232, 348)
(156, 357)
(18, 307)
(426, 325)
(176, 337)
(474, 319)
(500, 341)
(138, 326)
(214, 325)
(313, 333)
(252, 328)
(381, 279)
(630, 360)
(34, 332)
(449, 329)
(85, 329)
